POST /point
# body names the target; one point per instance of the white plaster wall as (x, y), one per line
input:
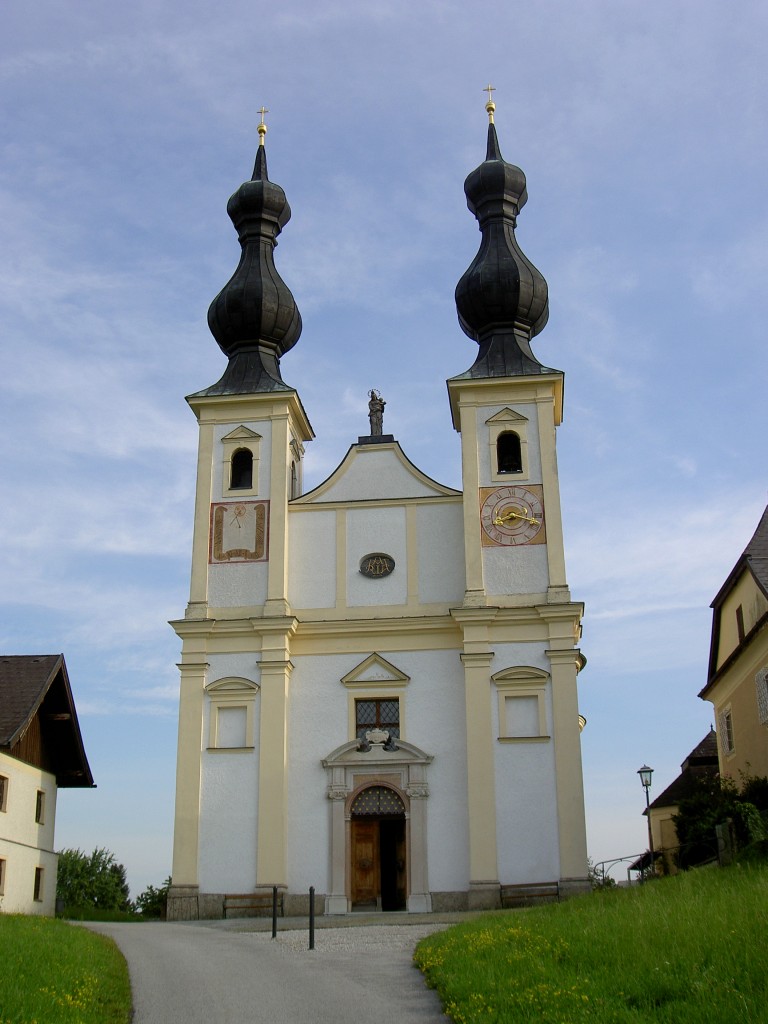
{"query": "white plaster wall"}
(237, 585)
(25, 844)
(440, 540)
(263, 427)
(434, 719)
(376, 529)
(20, 864)
(516, 570)
(526, 797)
(436, 722)
(512, 655)
(318, 724)
(229, 804)
(312, 558)
(486, 453)
(242, 665)
(375, 473)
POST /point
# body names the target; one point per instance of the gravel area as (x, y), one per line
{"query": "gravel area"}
(390, 938)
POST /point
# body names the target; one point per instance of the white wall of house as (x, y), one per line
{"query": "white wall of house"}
(26, 845)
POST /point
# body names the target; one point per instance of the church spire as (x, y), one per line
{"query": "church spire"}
(254, 318)
(501, 298)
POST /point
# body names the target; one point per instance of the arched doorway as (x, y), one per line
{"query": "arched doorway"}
(378, 850)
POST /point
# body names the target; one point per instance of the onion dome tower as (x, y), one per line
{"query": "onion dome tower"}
(254, 318)
(501, 298)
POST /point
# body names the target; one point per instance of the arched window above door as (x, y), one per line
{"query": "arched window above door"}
(378, 800)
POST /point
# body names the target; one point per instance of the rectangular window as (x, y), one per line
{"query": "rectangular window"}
(232, 727)
(740, 622)
(377, 714)
(40, 808)
(38, 896)
(3, 792)
(522, 716)
(726, 732)
(2, 876)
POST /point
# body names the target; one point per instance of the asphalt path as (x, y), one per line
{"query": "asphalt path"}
(188, 974)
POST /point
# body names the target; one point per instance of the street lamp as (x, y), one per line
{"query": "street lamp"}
(645, 774)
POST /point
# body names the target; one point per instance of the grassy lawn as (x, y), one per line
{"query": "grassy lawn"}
(56, 973)
(690, 950)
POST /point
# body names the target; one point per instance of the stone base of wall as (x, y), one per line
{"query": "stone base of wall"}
(574, 887)
(484, 896)
(182, 903)
(297, 904)
(449, 902)
(186, 903)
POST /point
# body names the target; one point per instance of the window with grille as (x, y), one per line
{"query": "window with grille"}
(761, 686)
(378, 800)
(726, 732)
(377, 714)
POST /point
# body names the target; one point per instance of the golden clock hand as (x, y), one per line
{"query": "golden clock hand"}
(499, 520)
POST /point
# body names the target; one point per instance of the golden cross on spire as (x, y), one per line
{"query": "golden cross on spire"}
(490, 106)
(262, 128)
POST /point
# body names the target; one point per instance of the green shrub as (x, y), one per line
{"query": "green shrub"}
(152, 902)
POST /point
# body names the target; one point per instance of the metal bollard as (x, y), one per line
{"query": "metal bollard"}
(311, 917)
(274, 911)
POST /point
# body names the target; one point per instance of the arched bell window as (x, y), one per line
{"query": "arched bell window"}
(509, 457)
(241, 476)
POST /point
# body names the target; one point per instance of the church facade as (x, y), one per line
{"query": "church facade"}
(379, 676)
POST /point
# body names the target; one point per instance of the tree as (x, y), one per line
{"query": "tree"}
(152, 902)
(715, 801)
(94, 880)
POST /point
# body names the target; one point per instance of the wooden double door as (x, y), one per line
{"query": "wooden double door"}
(378, 862)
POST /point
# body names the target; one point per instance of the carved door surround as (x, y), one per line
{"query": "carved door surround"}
(350, 771)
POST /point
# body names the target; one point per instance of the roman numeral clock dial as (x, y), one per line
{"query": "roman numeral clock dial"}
(512, 515)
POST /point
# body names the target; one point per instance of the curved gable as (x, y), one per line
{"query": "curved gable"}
(375, 472)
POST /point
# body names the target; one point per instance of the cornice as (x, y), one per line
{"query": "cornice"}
(214, 409)
(482, 391)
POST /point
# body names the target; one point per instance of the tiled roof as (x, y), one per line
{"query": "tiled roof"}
(754, 556)
(700, 763)
(33, 684)
(24, 681)
(757, 551)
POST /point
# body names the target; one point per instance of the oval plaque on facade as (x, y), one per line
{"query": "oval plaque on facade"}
(376, 565)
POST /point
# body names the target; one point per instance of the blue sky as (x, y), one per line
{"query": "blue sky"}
(641, 129)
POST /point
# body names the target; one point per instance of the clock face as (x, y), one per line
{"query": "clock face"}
(512, 515)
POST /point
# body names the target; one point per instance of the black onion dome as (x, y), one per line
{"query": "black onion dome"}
(502, 298)
(254, 318)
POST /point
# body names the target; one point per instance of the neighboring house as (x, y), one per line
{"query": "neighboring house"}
(379, 677)
(41, 750)
(700, 763)
(738, 662)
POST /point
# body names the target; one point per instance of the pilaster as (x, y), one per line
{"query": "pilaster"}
(564, 667)
(277, 579)
(276, 667)
(188, 770)
(481, 788)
